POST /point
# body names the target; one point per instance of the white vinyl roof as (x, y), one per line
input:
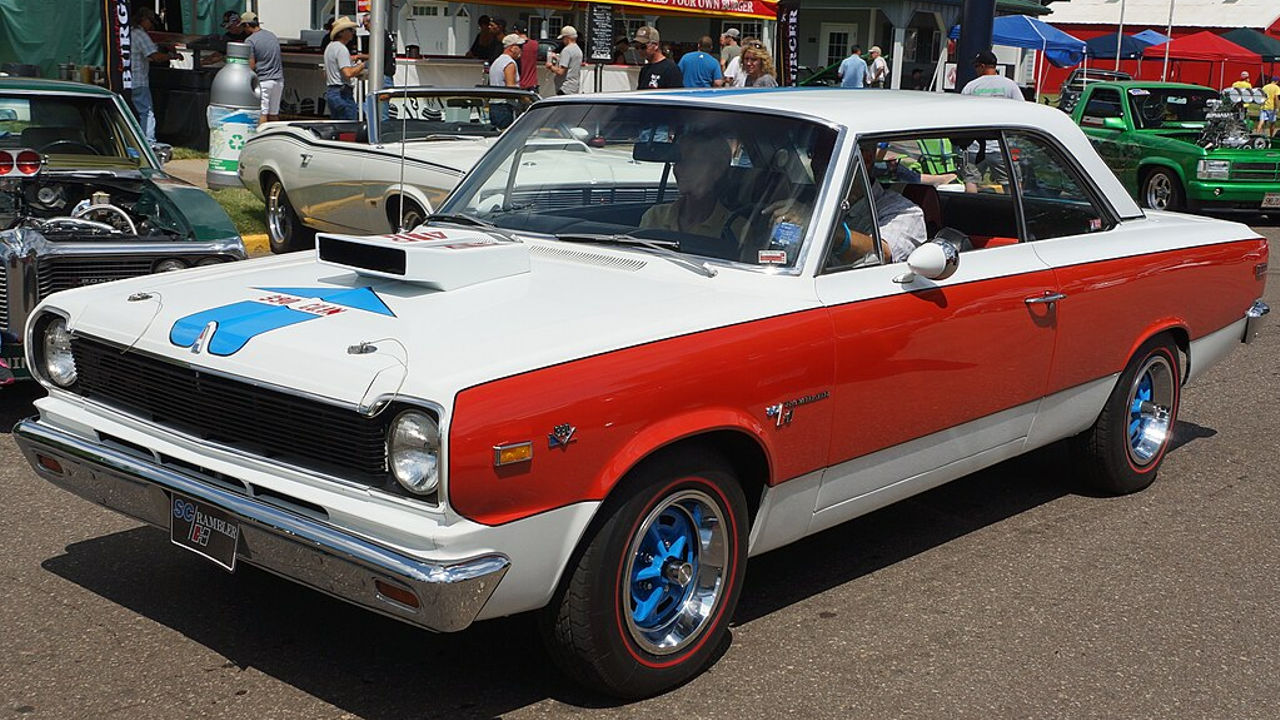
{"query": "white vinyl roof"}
(1155, 13)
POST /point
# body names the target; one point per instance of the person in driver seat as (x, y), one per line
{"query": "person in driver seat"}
(700, 173)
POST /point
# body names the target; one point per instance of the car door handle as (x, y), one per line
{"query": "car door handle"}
(1048, 297)
(306, 158)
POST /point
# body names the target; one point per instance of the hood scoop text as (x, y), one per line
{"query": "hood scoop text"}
(439, 258)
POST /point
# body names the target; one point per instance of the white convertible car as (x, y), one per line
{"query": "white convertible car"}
(647, 337)
(348, 176)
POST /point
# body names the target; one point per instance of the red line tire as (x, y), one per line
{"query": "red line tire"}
(595, 628)
(1122, 452)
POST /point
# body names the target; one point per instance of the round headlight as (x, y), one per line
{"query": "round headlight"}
(170, 265)
(413, 452)
(59, 363)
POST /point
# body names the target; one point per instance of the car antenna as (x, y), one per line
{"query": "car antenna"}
(403, 121)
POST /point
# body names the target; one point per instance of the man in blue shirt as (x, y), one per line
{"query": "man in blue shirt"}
(700, 68)
(853, 71)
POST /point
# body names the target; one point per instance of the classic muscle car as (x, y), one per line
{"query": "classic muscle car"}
(597, 399)
(375, 176)
(1180, 146)
(83, 201)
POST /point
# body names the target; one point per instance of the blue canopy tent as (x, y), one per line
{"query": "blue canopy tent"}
(1151, 37)
(1104, 46)
(1057, 47)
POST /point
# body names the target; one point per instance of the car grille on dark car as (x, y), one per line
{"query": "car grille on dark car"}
(1255, 171)
(263, 421)
(4, 298)
(63, 273)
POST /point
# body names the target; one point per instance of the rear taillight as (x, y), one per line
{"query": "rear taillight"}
(6, 162)
(28, 162)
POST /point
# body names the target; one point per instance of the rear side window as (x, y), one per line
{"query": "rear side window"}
(1103, 103)
(1055, 201)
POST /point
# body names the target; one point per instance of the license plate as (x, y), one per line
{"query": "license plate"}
(205, 531)
(1271, 200)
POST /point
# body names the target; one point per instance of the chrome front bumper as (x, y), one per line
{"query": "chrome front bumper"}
(299, 548)
(1254, 320)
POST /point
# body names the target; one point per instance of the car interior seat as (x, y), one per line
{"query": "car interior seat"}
(926, 197)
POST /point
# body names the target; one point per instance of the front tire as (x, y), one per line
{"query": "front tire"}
(410, 214)
(648, 604)
(285, 230)
(1161, 190)
(1121, 453)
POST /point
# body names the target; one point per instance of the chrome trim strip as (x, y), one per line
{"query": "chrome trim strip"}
(1255, 318)
(307, 551)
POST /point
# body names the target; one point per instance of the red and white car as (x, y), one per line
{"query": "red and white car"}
(598, 397)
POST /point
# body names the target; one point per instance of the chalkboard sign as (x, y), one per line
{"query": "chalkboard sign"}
(600, 32)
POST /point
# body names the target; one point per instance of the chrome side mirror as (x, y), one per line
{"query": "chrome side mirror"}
(163, 151)
(937, 259)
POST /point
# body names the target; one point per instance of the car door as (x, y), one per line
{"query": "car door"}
(1105, 121)
(327, 192)
(934, 373)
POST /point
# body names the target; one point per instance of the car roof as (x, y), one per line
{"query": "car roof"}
(1126, 84)
(867, 112)
(41, 85)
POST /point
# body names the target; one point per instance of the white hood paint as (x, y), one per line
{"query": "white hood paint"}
(575, 302)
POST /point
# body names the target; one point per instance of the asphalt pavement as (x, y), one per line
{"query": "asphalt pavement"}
(1013, 593)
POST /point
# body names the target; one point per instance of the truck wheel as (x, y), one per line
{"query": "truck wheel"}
(1161, 191)
(648, 604)
(285, 231)
(1122, 452)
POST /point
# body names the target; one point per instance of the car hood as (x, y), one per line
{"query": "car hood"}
(293, 322)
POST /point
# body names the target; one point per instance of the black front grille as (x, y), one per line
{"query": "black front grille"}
(1255, 171)
(4, 297)
(265, 422)
(64, 273)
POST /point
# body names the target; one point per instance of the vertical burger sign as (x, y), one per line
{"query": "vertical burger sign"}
(788, 40)
(115, 26)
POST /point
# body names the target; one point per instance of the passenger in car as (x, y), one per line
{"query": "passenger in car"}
(700, 176)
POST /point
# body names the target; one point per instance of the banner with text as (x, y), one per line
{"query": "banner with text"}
(787, 38)
(767, 9)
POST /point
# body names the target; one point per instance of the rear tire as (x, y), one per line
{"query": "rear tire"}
(411, 215)
(647, 605)
(285, 230)
(1122, 452)
(1161, 190)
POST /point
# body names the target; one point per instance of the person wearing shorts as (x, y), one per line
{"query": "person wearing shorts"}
(265, 60)
(1267, 119)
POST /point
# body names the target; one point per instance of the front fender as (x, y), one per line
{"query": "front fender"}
(206, 218)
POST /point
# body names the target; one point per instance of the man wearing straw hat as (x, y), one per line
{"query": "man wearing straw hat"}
(340, 71)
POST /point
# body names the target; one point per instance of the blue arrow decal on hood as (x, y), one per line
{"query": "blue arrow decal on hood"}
(236, 324)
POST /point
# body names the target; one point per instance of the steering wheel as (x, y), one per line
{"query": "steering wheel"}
(74, 143)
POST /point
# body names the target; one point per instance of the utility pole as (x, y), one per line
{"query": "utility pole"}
(1119, 35)
(976, 20)
(1164, 74)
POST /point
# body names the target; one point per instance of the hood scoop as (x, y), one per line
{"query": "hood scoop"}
(438, 258)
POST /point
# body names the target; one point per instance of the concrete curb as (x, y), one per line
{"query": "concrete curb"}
(257, 244)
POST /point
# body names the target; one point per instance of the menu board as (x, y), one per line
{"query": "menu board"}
(600, 32)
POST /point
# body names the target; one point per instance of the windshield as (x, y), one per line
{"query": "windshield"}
(430, 116)
(729, 185)
(67, 125)
(1157, 107)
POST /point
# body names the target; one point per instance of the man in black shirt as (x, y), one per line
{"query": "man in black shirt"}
(661, 72)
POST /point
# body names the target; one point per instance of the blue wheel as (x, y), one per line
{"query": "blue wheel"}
(648, 602)
(1122, 451)
(675, 572)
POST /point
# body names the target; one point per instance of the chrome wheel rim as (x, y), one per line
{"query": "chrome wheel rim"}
(675, 572)
(277, 213)
(1159, 190)
(1151, 400)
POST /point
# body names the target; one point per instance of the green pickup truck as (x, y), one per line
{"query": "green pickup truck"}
(1180, 147)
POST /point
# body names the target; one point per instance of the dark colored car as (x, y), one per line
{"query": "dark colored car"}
(83, 200)
(1069, 92)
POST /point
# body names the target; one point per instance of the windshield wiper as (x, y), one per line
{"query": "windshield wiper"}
(462, 219)
(661, 248)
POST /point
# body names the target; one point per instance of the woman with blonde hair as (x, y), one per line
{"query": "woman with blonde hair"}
(757, 65)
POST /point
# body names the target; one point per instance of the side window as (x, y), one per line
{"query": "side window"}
(1054, 200)
(1103, 103)
(853, 242)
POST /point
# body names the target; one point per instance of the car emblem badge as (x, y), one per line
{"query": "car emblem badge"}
(203, 337)
(783, 412)
(561, 436)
